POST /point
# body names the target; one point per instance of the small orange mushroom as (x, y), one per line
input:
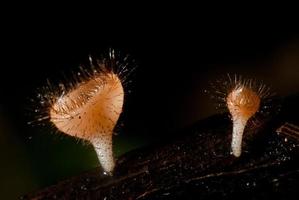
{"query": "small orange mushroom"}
(242, 103)
(90, 111)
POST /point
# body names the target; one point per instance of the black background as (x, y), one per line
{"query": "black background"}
(176, 55)
(178, 52)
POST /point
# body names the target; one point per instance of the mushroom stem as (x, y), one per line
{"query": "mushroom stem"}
(103, 149)
(238, 130)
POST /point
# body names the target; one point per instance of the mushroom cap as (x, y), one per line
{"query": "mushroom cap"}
(91, 109)
(243, 102)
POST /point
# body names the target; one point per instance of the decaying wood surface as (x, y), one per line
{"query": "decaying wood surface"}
(198, 165)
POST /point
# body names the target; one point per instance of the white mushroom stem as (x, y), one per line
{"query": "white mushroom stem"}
(103, 148)
(238, 130)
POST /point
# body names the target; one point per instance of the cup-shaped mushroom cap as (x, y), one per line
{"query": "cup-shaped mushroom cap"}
(243, 102)
(91, 108)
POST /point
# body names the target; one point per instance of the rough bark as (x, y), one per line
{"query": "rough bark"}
(198, 165)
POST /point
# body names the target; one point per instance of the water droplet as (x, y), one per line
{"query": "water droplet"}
(115, 133)
(83, 187)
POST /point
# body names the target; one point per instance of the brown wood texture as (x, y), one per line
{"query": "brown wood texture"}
(198, 165)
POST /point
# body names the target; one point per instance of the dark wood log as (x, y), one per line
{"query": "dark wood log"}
(198, 165)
